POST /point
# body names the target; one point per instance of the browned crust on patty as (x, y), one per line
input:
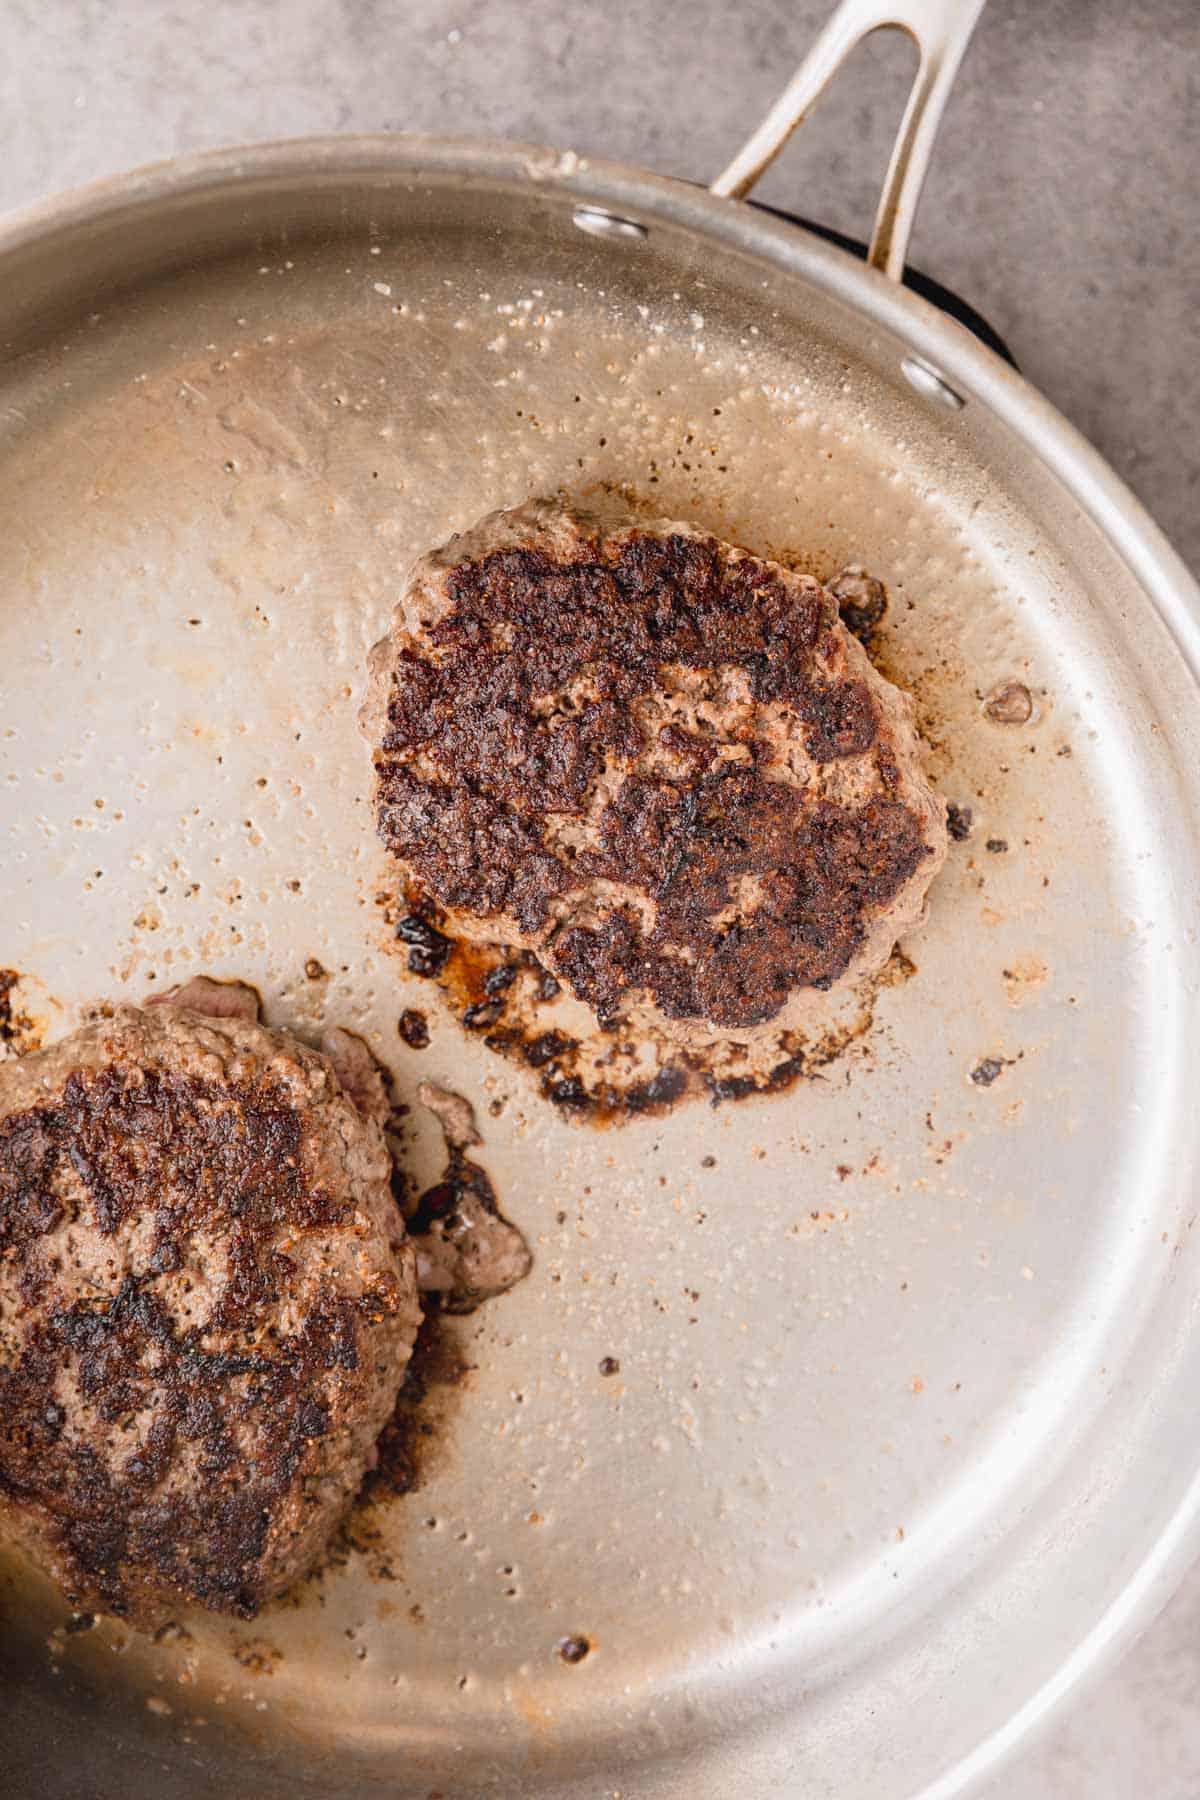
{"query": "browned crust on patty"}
(657, 759)
(206, 1307)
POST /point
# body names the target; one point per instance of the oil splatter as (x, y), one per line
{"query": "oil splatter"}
(413, 1027)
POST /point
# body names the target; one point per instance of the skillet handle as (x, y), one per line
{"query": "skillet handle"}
(941, 30)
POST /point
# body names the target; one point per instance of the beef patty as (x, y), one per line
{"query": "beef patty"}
(658, 760)
(206, 1306)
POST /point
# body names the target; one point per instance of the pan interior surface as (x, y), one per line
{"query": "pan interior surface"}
(903, 1350)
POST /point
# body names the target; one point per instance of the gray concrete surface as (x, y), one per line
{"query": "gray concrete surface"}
(1064, 203)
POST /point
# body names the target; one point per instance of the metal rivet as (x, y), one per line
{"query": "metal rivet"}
(930, 384)
(598, 223)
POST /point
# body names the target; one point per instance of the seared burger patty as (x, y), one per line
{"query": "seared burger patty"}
(206, 1306)
(657, 760)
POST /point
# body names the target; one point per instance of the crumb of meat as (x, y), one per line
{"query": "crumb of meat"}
(413, 1027)
(215, 999)
(862, 602)
(454, 1114)
(467, 1251)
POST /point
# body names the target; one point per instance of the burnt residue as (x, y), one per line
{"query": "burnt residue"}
(547, 986)
(568, 1093)
(741, 1087)
(482, 1014)
(257, 1656)
(987, 1070)
(533, 685)
(548, 1047)
(428, 949)
(602, 1076)
(959, 820)
(501, 978)
(467, 1251)
(573, 1649)
(8, 981)
(413, 1027)
(661, 1091)
(18, 1031)
(173, 1633)
(862, 603)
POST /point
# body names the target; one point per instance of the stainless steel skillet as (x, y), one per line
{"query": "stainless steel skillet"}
(902, 1442)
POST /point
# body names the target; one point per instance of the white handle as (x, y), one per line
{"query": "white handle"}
(941, 30)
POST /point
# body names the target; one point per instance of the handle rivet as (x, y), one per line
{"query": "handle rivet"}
(598, 223)
(930, 385)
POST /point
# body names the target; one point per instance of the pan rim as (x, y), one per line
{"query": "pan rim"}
(1106, 498)
(1034, 422)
